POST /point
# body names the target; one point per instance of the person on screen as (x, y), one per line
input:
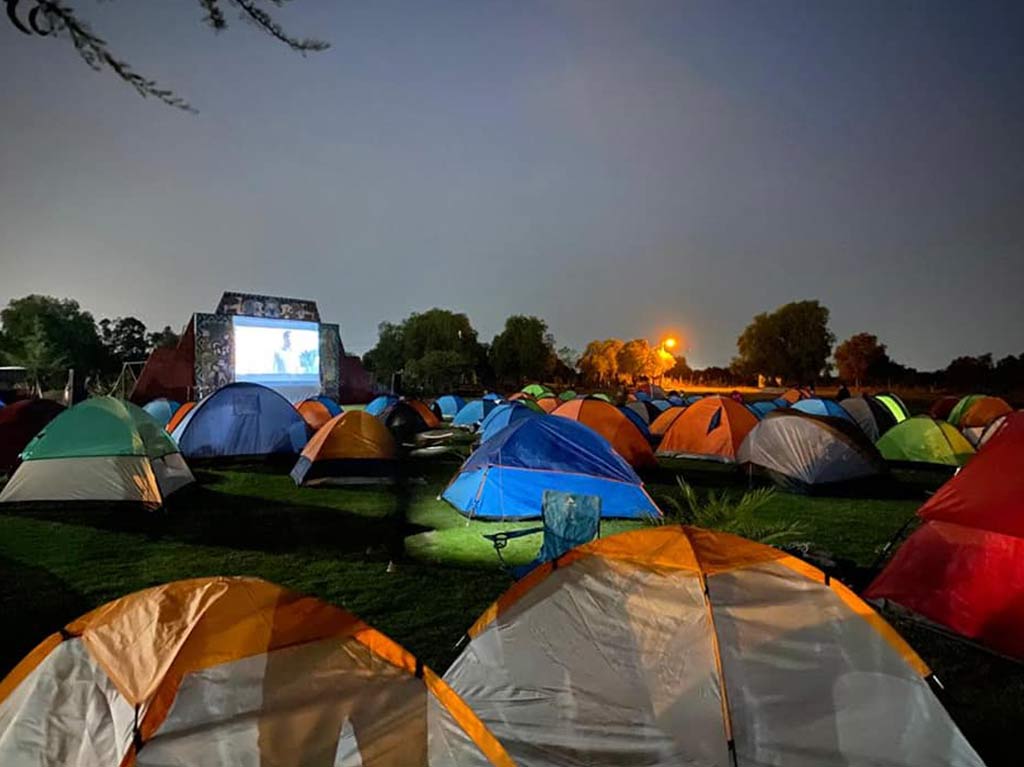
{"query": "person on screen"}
(286, 359)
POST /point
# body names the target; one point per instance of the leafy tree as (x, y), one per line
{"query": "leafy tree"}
(53, 18)
(388, 356)
(163, 339)
(600, 361)
(793, 342)
(1009, 373)
(41, 361)
(523, 350)
(862, 359)
(424, 343)
(633, 359)
(970, 373)
(125, 340)
(59, 324)
(680, 369)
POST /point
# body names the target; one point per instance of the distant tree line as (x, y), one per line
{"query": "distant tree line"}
(48, 336)
(440, 350)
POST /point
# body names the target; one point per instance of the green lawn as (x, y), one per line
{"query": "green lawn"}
(55, 564)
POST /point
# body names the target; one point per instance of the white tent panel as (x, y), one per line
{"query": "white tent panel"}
(105, 478)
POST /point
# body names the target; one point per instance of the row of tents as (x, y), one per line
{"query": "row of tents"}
(663, 646)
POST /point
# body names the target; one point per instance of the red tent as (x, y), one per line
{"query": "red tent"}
(964, 567)
(19, 423)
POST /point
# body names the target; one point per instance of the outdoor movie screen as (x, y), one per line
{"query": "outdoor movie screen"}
(277, 353)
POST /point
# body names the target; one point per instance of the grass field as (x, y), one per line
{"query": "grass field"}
(57, 563)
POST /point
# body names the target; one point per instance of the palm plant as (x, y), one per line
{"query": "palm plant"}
(721, 511)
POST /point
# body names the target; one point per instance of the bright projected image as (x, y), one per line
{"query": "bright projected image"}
(277, 352)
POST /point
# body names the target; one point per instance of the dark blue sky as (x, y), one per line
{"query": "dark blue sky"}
(619, 168)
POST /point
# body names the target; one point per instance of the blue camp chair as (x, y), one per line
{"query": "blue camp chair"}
(570, 520)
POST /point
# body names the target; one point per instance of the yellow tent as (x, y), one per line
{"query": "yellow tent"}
(230, 671)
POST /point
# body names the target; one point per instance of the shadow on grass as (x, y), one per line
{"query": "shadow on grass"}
(38, 602)
(200, 515)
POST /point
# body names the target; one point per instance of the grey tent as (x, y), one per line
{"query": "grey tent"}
(802, 452)
(871, 416)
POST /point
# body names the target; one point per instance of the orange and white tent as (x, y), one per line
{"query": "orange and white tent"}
(610, 422)
(712, 428)
(353, 448)
(231, 671)
(675, 645)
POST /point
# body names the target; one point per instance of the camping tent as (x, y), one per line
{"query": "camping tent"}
(449, 405)
(548, 402)
(503, 415)
(873, 418)
(711, 428)
(379, 404)
(161, 409)
(894, 405)
(963, 567)
(536, 390)
(636, 420)
(505, 478)
(802, 451)
(961, 407)
(646, 409)
(942, 407)
(102, 449)
(678, 646)
(567, 395)
(429, 417)
(179, 416)
(19, 423)
(351, 449)
(793, 395)
(980, 414)
(763, 407)
(473, 412)
(661, 424)
(492, 396)
(241, 419)
(608, 421)
(315, 411)
(820, 406)
(231, 671)
(996, 426)
(922, 439)
(661, 404)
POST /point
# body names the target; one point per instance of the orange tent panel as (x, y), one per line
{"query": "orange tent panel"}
(314, 413)
(984, 411)
(662, 423)
(549, 404)
(608, 421)
(713, 427)
(353, 434)
(428, 415)
(178, 416)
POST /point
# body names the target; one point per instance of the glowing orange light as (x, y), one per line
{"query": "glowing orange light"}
(669, 343)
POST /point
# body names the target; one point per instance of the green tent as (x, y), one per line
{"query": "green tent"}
(532, 404)
(567, 395)
(537, 390)
(602, 395)
(962, 407)
(922, 439)
(103, 449)
(894, 405)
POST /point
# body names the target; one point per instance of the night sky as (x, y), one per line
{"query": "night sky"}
(619, 167)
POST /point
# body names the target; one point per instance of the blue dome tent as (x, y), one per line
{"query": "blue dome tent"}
(819, 406)
(763, 408)
(503, 415)
(241, 419)
(379, 404)
(493, 396)
(505, 478)
(161, 409)
(473, 412)
(636, 419)
(332, 407)
(449, 405)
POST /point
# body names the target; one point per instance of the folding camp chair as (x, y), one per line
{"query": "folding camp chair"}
(569, 520)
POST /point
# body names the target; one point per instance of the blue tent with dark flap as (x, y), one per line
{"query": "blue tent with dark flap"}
(505, 478)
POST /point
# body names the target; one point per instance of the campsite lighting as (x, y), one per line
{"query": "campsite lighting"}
(669, 343)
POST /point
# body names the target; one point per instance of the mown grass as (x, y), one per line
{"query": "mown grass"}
(58, 562)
